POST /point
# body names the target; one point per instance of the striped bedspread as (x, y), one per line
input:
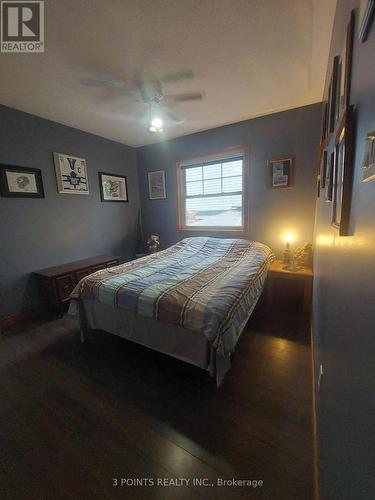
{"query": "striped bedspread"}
(204, 284)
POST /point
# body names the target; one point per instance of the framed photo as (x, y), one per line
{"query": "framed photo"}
(21, 182)
(338, 182)
(366, 17)
(281, 172)
(113, 187)
(324, 131)
(329, 180)
(344, 71)
(332, 96)
(343, 174)
(156, 185)
(368, 167)
(323, 169)
(71, 174)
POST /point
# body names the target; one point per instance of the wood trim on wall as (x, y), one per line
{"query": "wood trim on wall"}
(242, 150)
(314, 422)
(19, 317)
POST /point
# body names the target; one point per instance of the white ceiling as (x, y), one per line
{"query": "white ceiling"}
(249, 58)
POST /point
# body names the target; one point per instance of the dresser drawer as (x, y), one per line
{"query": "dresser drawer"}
(65, 286)
(57, 282)
(82, 273)
(98, 268)
(112, 263)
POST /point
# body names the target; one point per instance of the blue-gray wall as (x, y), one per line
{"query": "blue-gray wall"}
(344, 306)
(271, 211)
(36, 233)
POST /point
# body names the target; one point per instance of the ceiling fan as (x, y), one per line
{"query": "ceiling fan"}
(150, 91)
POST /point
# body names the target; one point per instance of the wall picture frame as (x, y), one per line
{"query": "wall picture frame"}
(113, 187)
(71, 174)
(332, 96)
(323, 169)
(366, 18)
(21, 182)
(343, 174)
(281, 172)
(345, 70)
(368, 166)
(156, 185)
(323, 132)
(329, 180)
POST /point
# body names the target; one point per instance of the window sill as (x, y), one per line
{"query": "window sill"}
(212, 230)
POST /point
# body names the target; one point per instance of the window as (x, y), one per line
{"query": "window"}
(211, 192)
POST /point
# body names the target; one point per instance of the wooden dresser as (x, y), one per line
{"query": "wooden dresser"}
(57, 283)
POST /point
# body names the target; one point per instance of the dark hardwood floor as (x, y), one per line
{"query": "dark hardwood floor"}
(73, 417)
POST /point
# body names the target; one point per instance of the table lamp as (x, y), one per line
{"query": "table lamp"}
(287, 256)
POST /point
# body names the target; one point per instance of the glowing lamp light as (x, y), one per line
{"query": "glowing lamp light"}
(288, 238)
(156, 125)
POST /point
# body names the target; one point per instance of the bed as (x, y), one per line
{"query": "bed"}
(190, 301)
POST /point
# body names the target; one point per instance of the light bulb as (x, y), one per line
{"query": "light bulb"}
(288, 238)
(157, 123)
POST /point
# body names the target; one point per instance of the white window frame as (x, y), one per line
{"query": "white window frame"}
(225, 154)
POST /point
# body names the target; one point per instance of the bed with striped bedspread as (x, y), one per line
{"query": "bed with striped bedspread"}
(209, 285)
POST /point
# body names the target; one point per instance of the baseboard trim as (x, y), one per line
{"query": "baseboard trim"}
(20, 316)
(314, 422)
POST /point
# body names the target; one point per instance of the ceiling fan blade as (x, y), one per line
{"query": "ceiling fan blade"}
(110, 79)
(173, 117)
(177, 75)
(105, 79)
(91, 82)
(192, 96)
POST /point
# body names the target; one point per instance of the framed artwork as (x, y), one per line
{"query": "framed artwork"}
(324, 125)
(113, 187)
(368, 166)
(21, 182)
(156, 185)
(343, 174)
(332, 96)
(323, 169)
(329, 109)
(366, 17)
(281, 172)
(329, 180)
(344, 71)
(71, 174)
(337, 92)
(338, 181)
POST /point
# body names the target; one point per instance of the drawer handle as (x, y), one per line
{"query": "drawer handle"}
(66, 288)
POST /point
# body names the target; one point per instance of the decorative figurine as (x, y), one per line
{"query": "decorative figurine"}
(302, 257)
(153, 243)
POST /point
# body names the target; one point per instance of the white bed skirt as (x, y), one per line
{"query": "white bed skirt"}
(187, 345)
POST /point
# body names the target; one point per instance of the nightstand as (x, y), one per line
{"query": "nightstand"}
(304, 276)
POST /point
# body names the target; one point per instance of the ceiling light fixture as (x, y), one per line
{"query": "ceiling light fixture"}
(156, 125)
